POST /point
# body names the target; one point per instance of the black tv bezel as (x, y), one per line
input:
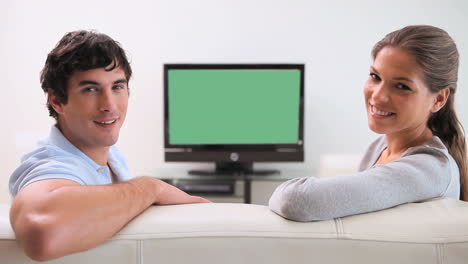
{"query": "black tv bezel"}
(223, 152)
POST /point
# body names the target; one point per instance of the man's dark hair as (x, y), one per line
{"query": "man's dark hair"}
(80, 51)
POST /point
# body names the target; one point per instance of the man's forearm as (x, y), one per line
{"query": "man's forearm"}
(75, 218)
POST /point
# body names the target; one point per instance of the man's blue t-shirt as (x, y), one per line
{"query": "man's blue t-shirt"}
(57, 158)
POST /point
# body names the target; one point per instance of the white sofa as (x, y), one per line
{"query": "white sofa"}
(430, 232)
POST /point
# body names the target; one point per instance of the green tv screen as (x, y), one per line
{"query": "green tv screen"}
(233, 106)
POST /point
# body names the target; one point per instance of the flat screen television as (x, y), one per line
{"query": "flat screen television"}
(234, 115)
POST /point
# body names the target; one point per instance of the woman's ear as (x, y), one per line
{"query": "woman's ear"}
(440, 99)
(54, 102)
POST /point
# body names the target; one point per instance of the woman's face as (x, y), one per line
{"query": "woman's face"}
(398, 101)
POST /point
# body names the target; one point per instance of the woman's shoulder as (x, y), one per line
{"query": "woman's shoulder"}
(433, 146)
(372, 153)
(434, 156)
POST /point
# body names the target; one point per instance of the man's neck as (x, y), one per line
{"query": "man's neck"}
(98, 155)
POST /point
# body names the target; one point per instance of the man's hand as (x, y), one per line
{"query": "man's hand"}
(168, 194)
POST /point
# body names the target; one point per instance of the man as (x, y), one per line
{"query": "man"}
(74, 191)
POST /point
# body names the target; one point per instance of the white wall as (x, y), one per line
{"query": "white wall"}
(333, 38)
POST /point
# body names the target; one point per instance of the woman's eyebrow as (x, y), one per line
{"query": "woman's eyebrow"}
(403, 79)
(395, 78)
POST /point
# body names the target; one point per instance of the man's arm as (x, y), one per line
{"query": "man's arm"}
(54, 218)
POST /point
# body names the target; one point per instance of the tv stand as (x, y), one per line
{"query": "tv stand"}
(234, 169)
(243, 169)
(228, 188)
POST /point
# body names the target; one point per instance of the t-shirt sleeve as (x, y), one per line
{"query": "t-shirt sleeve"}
(421, 174)
(32, 170)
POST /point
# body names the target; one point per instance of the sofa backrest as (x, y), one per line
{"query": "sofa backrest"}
(431, 232)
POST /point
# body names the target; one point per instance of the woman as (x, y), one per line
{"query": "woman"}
(409, 98)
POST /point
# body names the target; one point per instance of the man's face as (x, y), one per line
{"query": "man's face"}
(95, 110)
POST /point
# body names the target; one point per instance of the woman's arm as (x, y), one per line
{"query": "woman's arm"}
(422, 175)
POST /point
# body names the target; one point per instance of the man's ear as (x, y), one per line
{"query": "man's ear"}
(54, 102)
(440, 99)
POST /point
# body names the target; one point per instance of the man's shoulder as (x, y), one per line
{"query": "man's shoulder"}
(51, 154)
(43, 151)
(47, 162)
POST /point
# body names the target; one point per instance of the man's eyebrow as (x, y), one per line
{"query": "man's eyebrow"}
(121, 81)
(88, 82)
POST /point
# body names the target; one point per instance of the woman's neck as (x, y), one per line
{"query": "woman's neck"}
(399, 142)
